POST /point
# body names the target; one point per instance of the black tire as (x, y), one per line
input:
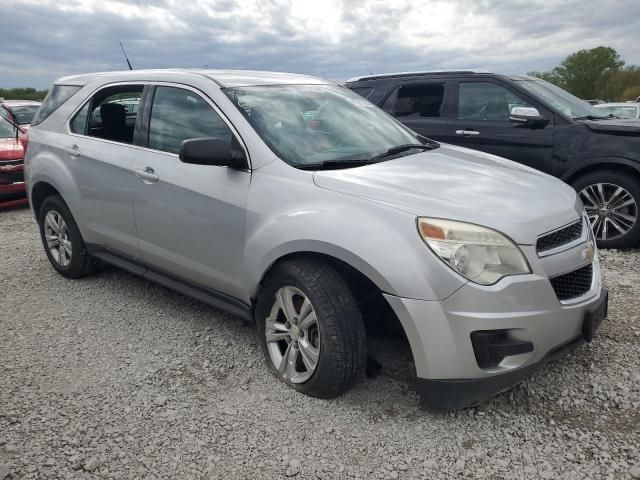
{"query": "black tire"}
(343, 342)
(81, 263)
(632, 185)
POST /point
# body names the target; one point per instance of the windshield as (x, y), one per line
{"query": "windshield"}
(7, 130)
(560, 99)
(308, 124)
(620, 111)
(24, 114)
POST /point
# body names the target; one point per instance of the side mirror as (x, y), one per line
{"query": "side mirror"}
(525, 116)
(212, 151)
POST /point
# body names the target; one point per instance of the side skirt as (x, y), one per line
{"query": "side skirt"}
(206, 295)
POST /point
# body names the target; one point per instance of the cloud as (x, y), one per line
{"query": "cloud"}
(337, 39)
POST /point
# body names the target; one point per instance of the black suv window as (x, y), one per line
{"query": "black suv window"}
(56, 97)
(177, 115)
(110, 114)
(486, 101)
(418, 100)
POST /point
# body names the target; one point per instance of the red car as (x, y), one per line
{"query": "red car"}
(12, 191)
(20, 112)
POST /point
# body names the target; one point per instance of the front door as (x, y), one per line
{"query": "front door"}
(481, 121)
(190, 218)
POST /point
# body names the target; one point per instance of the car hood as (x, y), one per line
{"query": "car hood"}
(615, 127)
(461, 184)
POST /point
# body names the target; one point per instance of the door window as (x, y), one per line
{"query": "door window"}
(416, 100)
(487, 101)
(111, 114)
(177, 115)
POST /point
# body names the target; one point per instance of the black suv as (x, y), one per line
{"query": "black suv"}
(530, 121)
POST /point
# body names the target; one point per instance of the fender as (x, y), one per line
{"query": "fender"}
(595, 162)
(378, 240)
(42, 165)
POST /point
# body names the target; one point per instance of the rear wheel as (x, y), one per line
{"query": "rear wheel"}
(62, 241)
(612, 201)
(311, 328)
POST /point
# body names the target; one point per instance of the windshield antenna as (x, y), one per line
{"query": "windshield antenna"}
(125, 56)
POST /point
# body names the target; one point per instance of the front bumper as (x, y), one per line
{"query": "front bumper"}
(524, 306)
(12, 186)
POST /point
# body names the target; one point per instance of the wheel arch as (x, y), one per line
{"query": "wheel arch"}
(619, 164)
(39, 192)
(378, 313)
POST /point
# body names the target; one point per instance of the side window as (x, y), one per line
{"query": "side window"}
(111, 114)
(177, 115)
(417, 100)
(486, 101)
(363, 91)
(79, 123)
(56, 97)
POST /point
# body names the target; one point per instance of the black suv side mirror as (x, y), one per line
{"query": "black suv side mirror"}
(212, 151)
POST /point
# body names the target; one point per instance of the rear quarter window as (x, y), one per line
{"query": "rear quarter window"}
(54, 99)
(362, 91)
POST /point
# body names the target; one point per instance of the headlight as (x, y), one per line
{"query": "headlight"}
(479, 254)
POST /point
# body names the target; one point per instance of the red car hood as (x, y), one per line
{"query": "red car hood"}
(10, 149)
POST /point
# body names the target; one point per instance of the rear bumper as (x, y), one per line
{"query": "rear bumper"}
(461, 393)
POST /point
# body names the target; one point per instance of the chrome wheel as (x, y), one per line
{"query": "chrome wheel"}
(293, 335)
(611, 209)
(57, 237)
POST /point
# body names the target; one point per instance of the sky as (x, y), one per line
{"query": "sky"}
(335, 39)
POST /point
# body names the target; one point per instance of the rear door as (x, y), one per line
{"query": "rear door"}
(481, 121)
(100, 151)
(422, 106)
(191, 218)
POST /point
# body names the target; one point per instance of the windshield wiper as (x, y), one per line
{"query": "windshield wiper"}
(346, 163)
(590, 117)
(403, 148)
(334, 164)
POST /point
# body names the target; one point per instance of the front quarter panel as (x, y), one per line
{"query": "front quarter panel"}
(288, 214)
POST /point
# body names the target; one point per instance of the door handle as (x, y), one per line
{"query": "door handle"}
(73, 151)
(147, 175)
(467, 133)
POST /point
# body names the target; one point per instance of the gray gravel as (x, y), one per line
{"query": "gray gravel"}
(115, 377)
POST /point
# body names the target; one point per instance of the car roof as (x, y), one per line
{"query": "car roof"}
(224, 78)
(19, 103)
(416, 74)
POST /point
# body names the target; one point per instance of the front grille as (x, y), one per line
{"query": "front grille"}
(573, 284)
(11, 177)
(559, 237)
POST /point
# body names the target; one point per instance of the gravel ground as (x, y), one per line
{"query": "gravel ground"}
(115, 377)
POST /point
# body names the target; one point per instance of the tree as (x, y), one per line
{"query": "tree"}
(585, 73)
(22, 93)
(622, 84)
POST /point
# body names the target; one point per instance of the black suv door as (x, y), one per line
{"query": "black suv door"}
(481, 121)
(421, 105)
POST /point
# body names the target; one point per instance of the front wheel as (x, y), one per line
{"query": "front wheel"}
(311, 328)
(611, 200)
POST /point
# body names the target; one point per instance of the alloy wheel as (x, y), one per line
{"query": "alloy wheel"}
(57, 237)
(611, 209)
(293, 335)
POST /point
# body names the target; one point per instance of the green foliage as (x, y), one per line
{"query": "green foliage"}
(22, 93)
(593, 73)
(622, 85)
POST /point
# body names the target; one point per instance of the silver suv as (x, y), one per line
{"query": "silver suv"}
(291, 201)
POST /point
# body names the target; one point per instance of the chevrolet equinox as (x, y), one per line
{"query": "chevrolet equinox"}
(295, 203)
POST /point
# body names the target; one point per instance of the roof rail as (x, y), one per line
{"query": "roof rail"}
(414, 74)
